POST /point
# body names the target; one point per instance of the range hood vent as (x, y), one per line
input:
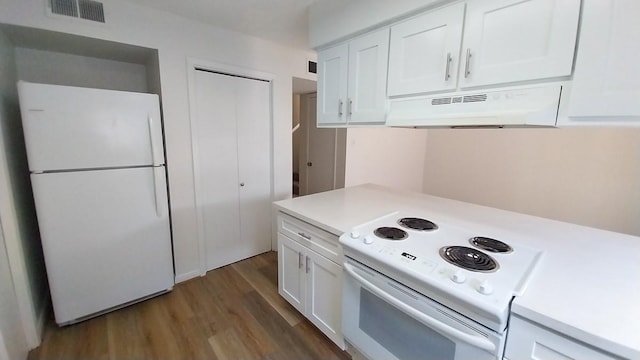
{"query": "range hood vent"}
(459, 99)
(507, 107)
(82, 9)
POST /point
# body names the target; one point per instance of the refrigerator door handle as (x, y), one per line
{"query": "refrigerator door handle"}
(152, 141)
(157, 172)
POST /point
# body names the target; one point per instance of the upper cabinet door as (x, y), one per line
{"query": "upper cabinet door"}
(332, 84)
(425, 52)
(368, 59)
(515, 40)
(606, 83)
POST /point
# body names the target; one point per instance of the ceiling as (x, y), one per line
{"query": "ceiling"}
(282, 21)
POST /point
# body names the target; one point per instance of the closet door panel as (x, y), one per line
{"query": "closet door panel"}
(253, 120)
(217, 166)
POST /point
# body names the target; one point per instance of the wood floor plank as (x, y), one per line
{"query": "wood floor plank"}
(268, 290)
(315, 339)
(278, 329)
(233, 312)
(229, 291)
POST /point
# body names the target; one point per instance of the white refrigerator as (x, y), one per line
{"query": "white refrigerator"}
(98, 175)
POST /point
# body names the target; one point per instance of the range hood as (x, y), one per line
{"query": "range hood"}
(511, 107)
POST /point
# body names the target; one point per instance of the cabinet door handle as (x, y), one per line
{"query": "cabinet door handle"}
(299, 260)
(447, 69)
(307, 265)
(308, 237)
(467, 68)
(349, 107)
(340, 107)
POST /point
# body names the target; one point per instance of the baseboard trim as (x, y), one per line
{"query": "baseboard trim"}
(187, 276)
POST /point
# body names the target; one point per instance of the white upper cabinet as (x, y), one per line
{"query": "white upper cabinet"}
(368, 59)
(425, 52)
(352, 81)
(606, 82)
(332, 84)
(509, 41)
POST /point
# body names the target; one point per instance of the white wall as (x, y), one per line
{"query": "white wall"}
(12, 341)
(51, 67)
(385, 156)
(587, 176)
(331, 20)
(178, 39)
(17, 210)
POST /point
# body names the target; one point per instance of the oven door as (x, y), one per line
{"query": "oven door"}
(384, 319)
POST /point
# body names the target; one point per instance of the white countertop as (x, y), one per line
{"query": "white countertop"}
(587, 285)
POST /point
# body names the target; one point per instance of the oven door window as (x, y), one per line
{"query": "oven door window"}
(400, 334)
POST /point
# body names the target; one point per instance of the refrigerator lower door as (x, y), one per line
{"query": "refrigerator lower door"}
(105, 236)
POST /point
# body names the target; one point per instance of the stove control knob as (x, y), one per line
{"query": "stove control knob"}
(355, 234)
(368, 240)
(458, 277)
(485, 288)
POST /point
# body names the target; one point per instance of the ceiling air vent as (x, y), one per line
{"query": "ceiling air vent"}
(83, 9)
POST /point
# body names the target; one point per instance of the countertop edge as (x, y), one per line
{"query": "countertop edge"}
(307, 219)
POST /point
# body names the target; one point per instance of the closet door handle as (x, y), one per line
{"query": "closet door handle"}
(340, 107)
(447, 69)
(350, 108)
(307, 270)
(467, 67)
(299, 260)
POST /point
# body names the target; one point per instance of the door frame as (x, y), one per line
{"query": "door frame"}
(193, 65)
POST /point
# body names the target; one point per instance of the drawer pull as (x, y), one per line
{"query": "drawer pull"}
(308, 237)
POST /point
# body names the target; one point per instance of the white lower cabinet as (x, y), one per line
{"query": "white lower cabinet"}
(311, 282)
(528, 340)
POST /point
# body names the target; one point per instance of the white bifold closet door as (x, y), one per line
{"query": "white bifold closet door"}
(233, 166)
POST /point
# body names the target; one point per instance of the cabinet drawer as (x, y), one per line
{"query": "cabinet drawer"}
(530, 341)
(318, 240)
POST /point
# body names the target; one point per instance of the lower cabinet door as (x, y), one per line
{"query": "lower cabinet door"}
(291, 275)
(324, 295)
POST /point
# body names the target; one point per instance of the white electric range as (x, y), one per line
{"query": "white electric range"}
(448, 283)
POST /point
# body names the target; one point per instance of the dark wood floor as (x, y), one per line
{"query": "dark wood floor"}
(234, 312)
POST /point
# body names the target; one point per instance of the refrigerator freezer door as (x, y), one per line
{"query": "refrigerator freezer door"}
(68, 128)
(105, 243)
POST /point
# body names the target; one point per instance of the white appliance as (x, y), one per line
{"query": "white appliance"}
(505, 107)
(419, 286)
(98, 176)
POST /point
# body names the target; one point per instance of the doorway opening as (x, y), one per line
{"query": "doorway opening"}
(318, 153)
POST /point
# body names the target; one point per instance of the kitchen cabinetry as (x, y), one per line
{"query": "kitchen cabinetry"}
(309, 274)
(513, 40)
(504, 41)
(352, 81)
(606, 82)
(528, 340)
(424, 52)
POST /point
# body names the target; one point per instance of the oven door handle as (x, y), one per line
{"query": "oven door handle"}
(444, 329)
